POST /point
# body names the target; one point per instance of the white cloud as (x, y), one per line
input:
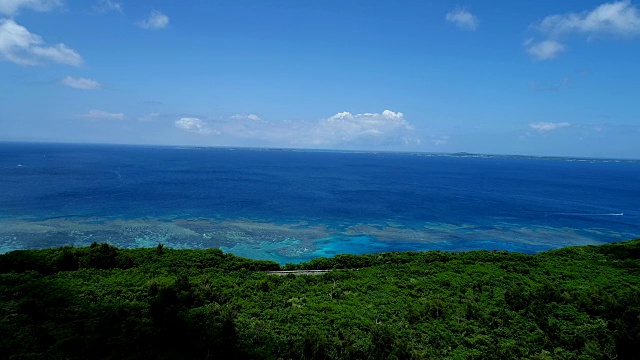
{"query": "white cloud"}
(367, 118)
(195, 125)
(104, 6)
(345, 128)
(252, 117)
(149, 117)
(617, 18)
(543, 127)
(20, 46)
(342, 130)
(156, 20)
(101, 115)
(463, 19)
(11, 7)
(80, 83)
(440, 140)
(58, 53)
(544, 50)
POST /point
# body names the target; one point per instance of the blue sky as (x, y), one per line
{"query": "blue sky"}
(504, 77)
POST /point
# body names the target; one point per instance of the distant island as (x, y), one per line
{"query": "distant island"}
(102, 302)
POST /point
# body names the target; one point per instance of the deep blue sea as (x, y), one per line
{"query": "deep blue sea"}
(291, 206)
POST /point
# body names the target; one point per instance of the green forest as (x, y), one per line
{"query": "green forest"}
(102, 302)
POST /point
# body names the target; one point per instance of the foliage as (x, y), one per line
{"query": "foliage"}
(109, 303)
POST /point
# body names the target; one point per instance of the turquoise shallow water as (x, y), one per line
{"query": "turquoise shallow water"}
(291, 206)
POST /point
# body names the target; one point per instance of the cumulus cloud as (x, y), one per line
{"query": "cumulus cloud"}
(154, 21)
(11, 7)
(149, 117)
(195, 125)
(544, 127)
(617, 18)
(342, 130)
(344, 127)
(544, 50)
(101, 115)
(104, 6)
(252, 117)
(463, 19)
(20, 46)
(80, 83)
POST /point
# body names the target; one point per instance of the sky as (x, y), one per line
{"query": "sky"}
(557, 78)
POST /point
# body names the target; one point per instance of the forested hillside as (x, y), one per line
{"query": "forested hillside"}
(109, 303)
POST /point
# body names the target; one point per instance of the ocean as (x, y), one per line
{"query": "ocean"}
(292, 205)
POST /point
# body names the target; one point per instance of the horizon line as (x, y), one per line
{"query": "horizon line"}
(366, 151)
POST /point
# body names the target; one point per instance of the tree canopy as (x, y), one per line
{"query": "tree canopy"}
(102, 302)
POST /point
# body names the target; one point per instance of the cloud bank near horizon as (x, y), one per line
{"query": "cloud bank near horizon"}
(341, 130)
(544, 127)
(101, 115)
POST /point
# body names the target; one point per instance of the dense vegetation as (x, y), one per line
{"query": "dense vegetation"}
(105, 302)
